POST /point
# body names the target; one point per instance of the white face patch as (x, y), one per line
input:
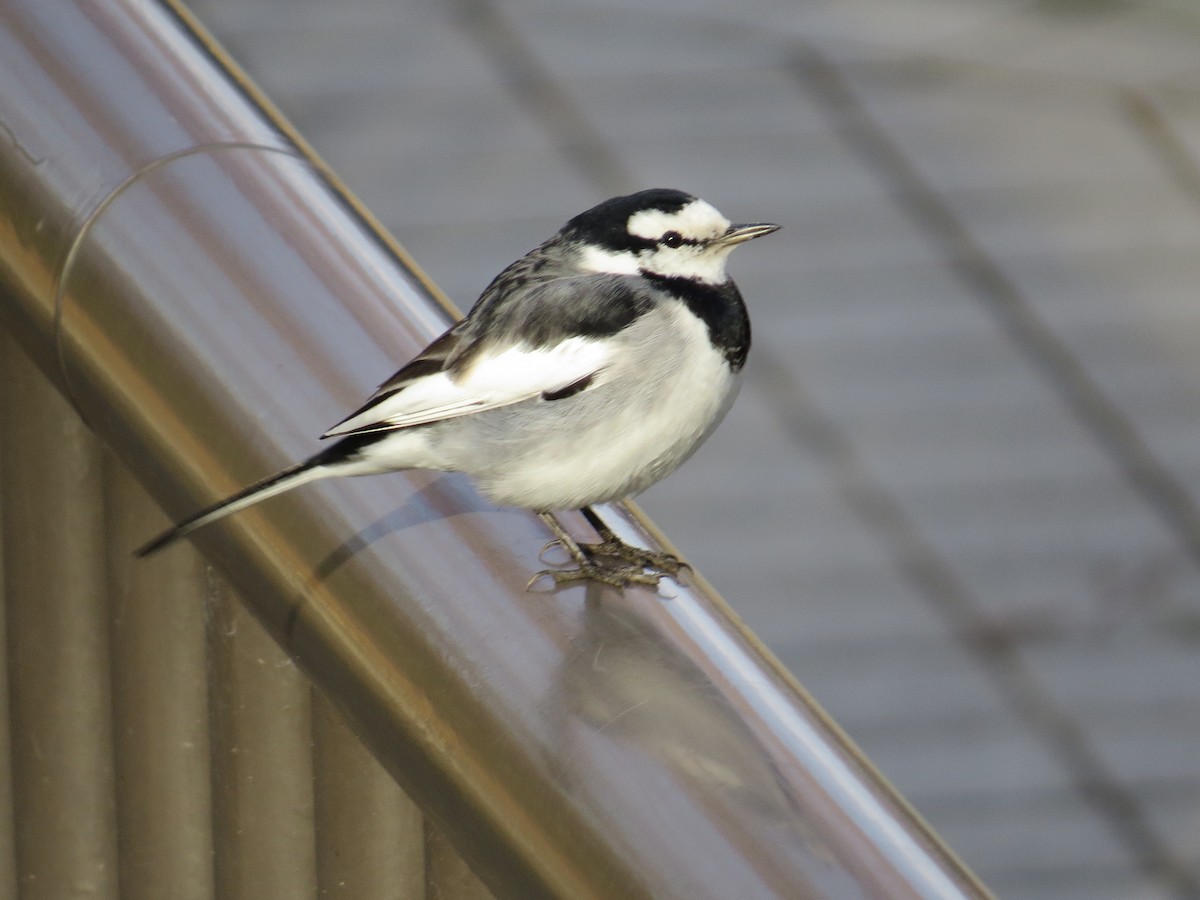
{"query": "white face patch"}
(597, 259)
(692, 261)
(699, 258)
(697, 221)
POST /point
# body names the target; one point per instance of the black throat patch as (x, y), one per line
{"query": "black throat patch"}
(719, 307)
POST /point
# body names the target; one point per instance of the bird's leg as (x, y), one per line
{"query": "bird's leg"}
(640, 566)
(588, 568)
(613, 547)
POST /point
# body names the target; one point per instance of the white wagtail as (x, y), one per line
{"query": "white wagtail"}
(588, 370)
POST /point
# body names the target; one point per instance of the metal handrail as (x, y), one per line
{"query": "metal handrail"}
(209, 297)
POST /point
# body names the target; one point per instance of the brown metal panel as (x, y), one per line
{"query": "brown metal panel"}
(449, 876)
(76, 76)
(160, 707)
(261, 762)
(58, 640)
(8, 850)
(370, 836)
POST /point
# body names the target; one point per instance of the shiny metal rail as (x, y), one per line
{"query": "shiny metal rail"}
(207, 298)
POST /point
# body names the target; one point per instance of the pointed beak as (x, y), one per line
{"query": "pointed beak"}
(738, 234)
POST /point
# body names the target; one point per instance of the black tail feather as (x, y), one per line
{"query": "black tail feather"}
(260, 490)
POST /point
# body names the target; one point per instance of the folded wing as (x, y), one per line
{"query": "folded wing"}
(444, 383)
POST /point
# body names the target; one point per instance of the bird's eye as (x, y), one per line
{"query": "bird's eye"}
(672, 239)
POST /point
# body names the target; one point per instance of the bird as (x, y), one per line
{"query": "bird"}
(588, 370)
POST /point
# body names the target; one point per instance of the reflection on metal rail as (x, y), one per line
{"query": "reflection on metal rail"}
(208, 298)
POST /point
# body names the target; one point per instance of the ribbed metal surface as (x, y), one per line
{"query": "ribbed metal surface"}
(370, 836)
(58, 612)
(160, 683)
(208, 302)
(214, 768)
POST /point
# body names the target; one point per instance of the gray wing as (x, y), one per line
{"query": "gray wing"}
(546, 338)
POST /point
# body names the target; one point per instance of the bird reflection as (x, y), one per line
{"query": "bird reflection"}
(632, 699)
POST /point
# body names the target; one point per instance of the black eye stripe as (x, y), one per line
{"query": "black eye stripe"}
(675, 239)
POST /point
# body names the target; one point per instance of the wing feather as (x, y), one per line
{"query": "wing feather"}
(514, 345)
(488, 381)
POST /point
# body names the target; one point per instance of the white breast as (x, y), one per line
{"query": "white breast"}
(654, 406)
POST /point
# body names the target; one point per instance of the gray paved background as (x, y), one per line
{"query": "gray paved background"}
(958, 495)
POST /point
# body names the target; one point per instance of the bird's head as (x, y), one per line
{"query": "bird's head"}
(658, 232)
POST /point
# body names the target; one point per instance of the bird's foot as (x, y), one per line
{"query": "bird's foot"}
(636, 557)
(614, 576)
(610, 561)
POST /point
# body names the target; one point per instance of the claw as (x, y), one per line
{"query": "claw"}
(613, 576)
(546, 549)
(663, 563)
(641, 566)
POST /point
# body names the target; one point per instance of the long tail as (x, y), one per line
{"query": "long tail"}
(294, 476)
